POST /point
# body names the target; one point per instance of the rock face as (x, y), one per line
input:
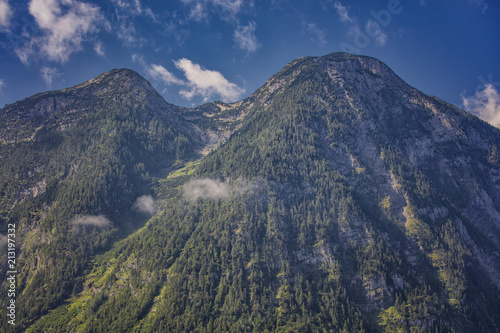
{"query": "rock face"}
(336, 198)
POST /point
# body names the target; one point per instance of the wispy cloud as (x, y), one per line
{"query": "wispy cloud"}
(160, 73)
(127, 33)
(5, 15)
(48, 74)
(343, 12)
(227, 8)
(139, 59)
(145, 204)
(318, 35)
(198, 12)
(99, 221)
(481, 4)
(374, 30)
(209, 189)
(2, 84)
(206, 83)
(98, 48)
(177, 28)
(485, 104)
(245, 38)
(133, 8)
(126, 13)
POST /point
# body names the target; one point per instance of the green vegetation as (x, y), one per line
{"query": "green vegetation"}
(301, 241)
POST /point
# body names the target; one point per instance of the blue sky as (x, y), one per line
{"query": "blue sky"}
(196, 51)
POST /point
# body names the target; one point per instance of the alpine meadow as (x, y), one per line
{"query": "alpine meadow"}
(335, 198)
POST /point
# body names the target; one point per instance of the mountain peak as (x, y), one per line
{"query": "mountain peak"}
(114, 88)
(122, 79)
(340, 56)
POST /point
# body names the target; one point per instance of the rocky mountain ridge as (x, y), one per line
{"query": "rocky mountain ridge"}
(336, 197)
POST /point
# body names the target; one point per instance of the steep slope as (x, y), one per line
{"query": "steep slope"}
(342, 200)
(73, 162)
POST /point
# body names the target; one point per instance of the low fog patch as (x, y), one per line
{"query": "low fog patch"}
(145, 204)
(209, 189)
(99, 221)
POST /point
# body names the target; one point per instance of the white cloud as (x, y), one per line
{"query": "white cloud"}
(98, 48)
(65, 23)
(245, 37)
(145, 204)
(485, 104)
(2, 84)
(5, 15)
(90, 220)
(343, 12)
(48, 74)
(206, 83)
(160, 73)
(374, 30)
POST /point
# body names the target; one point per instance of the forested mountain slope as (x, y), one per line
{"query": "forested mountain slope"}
(73, 162)
(335, 198)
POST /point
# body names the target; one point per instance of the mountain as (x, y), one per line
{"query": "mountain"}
(334, 198)
(73, 162)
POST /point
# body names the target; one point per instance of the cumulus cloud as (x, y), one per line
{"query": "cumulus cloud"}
(48, 74)
(207, 83)
(198, 80)
(485, 104)
(5, 15)
(209, 189)
(343, 12)
(374, 30)
(65, 24)
(160, 73)
(145, 204)
(245, 37)
(99, 221)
